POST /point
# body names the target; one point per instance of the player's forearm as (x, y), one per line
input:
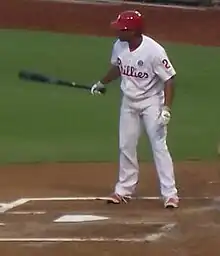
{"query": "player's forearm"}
(169, 92)
(112, 75)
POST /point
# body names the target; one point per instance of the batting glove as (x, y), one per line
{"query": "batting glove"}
(165, 115)
(98, 88)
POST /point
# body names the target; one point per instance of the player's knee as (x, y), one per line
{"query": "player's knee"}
(159, 146)
(127, 147)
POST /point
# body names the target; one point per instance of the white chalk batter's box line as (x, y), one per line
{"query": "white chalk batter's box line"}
(4, 207)
(162, 232)
(144, 239)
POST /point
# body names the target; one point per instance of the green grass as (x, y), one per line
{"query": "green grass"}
(49, 123)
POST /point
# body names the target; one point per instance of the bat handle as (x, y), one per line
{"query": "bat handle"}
(103, 90)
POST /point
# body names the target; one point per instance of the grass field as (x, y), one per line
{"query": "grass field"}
(48, 123)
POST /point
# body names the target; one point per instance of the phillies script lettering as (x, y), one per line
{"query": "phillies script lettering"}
(131, 71)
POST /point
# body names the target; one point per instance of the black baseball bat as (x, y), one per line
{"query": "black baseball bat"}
(37, 77)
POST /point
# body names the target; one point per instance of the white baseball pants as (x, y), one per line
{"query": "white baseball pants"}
(132, 115)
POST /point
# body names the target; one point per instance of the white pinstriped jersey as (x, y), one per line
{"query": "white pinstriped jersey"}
(144, 70)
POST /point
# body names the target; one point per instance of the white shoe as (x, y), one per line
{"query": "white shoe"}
(117, 199)
(171, 202)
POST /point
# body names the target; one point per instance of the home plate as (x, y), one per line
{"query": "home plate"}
(79, 218)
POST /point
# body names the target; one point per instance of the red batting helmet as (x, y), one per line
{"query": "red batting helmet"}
(129, 20)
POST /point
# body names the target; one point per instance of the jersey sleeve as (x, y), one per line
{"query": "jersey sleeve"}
(162, 66)
(114, 56)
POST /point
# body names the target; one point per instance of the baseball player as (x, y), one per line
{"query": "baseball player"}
(147, 85)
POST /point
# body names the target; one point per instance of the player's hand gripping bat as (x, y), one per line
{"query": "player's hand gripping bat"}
(37, 77)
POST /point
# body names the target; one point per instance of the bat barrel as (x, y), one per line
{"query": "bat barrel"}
(32, 76)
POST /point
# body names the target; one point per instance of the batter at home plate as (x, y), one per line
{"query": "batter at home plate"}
(147, 84)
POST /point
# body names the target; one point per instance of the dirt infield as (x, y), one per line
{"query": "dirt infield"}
(142, 227)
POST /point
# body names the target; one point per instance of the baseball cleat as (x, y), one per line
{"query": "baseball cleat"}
(117, 199)
(171, 203)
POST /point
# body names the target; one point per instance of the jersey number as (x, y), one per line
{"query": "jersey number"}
(166, 63)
